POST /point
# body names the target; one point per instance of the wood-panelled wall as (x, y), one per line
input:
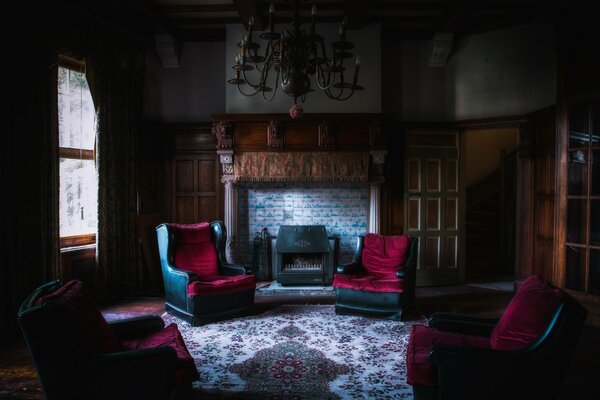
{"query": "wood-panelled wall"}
(179, 174)
(536, 196)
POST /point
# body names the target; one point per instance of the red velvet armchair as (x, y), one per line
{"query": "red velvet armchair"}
(200, 285)
(79, 355)
(523, 355)
(380, 280)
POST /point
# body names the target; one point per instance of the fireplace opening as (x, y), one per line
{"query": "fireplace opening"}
(305, 255)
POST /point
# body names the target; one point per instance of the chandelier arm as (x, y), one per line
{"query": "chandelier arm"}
(246, 94)
(274, 90)
(261, 66)
(254, 86)
(339, 97)
(321, 82)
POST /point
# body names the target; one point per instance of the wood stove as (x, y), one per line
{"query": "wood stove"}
(304, 255)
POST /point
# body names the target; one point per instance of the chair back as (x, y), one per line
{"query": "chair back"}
(58, 360)
(384, 254)
(549, 356)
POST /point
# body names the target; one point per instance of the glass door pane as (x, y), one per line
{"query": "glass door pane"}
(595, 223)
(575, 268)
(576, 221)
(577, 172)
(594, 272)
(578, 125)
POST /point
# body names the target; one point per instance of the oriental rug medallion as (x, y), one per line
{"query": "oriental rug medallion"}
(300, 352)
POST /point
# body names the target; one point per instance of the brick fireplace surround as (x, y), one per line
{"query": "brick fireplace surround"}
(322, 169)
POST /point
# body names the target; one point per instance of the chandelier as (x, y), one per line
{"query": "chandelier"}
(290, 58)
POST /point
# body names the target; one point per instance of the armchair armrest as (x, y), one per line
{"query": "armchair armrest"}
(353, 267)
(462, 324)
(130, 328)
(144, 373)
(476, 373)
(402, 272)
(231, 269)
(176, 283)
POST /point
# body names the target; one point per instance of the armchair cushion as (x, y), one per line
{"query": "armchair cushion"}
(220, 284)
(527, 315)
(171, 337)
(194, 250)
(420, 371)
(79, 319)
(369, 282)
(384, 254)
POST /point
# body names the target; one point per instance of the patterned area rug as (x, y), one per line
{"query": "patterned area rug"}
(300, 352)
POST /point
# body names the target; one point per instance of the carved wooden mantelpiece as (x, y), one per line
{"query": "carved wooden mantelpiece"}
(312, 132)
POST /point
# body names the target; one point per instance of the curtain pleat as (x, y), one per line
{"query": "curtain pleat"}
(118, 90)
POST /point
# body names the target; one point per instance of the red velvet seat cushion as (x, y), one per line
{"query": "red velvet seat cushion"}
(220, 284)
(78, 318)
(527, 314)
(369, 282)
(419, 371)
(171, 337)
(194, 250)
(384, 254)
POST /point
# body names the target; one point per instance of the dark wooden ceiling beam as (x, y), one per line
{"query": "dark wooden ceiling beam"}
(404, 19)
(391, 33)
(408, 5)
(247, 9)
(205, 21)
(355, 11)
(201, 35)
(196, 8)
(453, 19)
(305, 6)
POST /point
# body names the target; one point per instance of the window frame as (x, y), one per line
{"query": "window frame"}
(86, 239)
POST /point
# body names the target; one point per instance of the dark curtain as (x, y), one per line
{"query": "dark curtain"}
(117, 87)
(28, 153)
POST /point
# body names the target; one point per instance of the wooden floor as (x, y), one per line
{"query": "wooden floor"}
(18, 379)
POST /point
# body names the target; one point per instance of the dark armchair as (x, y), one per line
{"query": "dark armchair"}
(78, 354)
(200, 285)
(523, 355)
(380, 280)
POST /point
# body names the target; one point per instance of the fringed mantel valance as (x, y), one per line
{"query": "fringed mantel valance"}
(301, 167)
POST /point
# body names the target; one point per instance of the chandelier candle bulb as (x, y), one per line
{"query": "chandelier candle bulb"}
(313, 13)
(271, 12)
(342, 30)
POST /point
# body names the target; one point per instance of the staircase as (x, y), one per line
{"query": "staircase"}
(490, 222)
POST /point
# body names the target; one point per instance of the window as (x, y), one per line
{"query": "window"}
(78, 191)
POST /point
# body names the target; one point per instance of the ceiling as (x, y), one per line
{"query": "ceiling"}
(205, 20)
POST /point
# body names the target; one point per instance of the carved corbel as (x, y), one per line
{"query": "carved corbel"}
(276, 134)
(376, 171)
(327, 134)
(223, 131)
(226, 159)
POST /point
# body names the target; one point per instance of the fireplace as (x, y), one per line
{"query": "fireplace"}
(304, 255)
